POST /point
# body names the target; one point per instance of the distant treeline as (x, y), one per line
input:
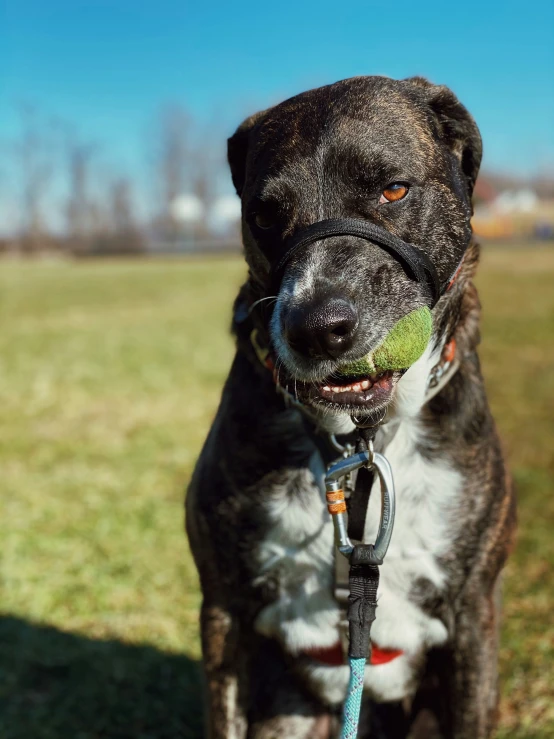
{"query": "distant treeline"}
(69, 197)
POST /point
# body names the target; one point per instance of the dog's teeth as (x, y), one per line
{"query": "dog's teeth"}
(356, 387)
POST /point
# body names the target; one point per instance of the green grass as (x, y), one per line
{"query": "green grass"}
(110, 374)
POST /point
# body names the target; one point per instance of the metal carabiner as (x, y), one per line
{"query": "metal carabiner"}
(337, 504)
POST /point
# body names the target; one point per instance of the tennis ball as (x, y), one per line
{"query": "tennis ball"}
(401, 347)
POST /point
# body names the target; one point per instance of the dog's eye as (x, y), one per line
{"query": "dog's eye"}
(393, 192)
(264, 221)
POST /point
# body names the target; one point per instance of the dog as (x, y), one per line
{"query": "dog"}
(403, 156)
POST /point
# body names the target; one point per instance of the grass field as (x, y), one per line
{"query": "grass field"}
(110, 374)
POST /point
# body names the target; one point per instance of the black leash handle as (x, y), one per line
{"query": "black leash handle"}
(363, 575)
(364, 583)
(364, 559)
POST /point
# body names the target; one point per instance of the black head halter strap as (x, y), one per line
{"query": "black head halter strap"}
(416, 263)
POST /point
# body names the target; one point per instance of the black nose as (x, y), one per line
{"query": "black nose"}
(323, 329)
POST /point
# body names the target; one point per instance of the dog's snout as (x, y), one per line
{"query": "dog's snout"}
(322, 330)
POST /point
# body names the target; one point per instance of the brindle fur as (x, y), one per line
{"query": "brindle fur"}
(322, 155)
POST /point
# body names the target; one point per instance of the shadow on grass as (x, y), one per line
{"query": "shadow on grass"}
(55, 685)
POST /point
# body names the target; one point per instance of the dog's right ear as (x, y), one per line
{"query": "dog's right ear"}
(457, 128)
(237, 150)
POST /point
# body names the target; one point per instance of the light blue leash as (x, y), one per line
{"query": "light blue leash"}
(364, 571)
(353, 704)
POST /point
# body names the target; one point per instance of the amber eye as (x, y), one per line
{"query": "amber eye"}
(263, 220)
(393, 192)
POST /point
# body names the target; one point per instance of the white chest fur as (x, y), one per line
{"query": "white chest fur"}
(426, 496)
(298, 553)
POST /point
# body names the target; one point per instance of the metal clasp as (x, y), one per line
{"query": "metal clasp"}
(437, 373)
(371, 460)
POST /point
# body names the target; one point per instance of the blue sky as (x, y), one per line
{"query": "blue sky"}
(108, 65)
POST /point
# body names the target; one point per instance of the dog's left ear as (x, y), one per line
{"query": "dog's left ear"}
(457, 128)
(237, 150)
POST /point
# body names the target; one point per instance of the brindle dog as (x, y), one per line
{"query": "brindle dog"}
(404, 155)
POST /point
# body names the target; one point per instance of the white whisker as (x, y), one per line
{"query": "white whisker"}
(257, 302)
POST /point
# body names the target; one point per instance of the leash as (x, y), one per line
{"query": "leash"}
(364, 560)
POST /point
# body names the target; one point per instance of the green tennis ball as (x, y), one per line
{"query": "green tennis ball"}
(401, 347)
(405, 342)
(360, 367)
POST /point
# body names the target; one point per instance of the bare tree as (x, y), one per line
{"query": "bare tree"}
(35, 154)
(186, 163)
(206, 164)
(174, 153)
(81, 213)
(171, 167)
(126, 237)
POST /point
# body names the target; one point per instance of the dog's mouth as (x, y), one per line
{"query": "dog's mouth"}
(350, 393)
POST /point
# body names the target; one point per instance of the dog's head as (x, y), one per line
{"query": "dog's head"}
(401, 154)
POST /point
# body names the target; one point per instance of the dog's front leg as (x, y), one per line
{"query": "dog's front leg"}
(280, 705)
(472, 675)
(250, 691)
(295, 727)
(225, 674)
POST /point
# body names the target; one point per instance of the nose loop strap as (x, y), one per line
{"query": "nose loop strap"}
(415, 262)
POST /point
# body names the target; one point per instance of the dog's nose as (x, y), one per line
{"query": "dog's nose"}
(322, 330)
